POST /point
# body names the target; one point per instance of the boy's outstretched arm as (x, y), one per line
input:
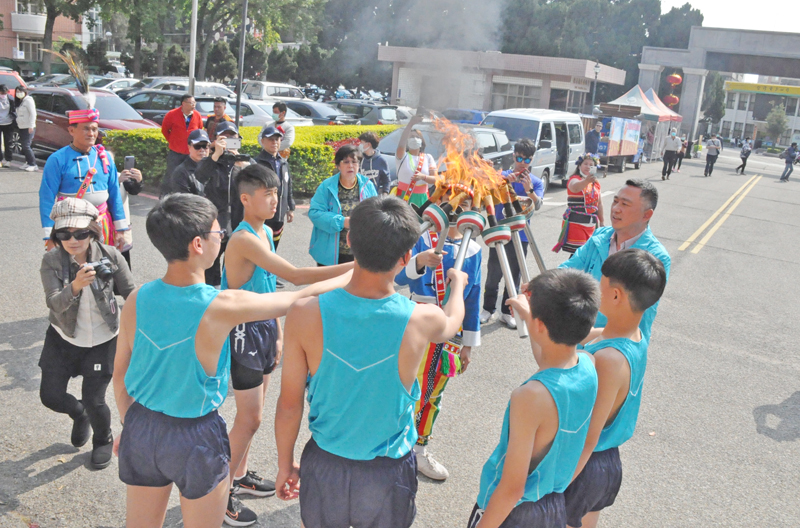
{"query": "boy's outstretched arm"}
(438, 325)
(613, 376)
(234, 307)
(289, 412)
(523, 422)
(254, 250)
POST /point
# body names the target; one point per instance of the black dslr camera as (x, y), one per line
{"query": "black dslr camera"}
(102, 268)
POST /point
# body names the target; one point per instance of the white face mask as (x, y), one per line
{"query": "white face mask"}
(414, 143)
(592, 170)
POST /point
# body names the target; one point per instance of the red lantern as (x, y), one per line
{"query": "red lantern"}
(674, 79)
(671, 100)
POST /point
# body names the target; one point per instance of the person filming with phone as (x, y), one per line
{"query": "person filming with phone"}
(217, 173)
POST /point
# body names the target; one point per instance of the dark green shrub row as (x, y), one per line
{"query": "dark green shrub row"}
(310, 162)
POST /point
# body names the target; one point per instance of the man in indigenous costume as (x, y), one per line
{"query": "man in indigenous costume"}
(84, 170)
(425, 275)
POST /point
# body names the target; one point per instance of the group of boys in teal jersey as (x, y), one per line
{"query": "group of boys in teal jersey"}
(352, 347)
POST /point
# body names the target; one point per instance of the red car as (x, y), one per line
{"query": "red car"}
(52, 105)
(11, 79)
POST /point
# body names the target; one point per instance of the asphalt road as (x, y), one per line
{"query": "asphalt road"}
(717, 439)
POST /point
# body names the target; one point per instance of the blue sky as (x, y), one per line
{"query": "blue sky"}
(765, 15)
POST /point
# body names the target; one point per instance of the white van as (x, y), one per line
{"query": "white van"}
(261, 90)
(558, 137)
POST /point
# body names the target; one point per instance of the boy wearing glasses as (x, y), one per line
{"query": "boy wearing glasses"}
(251, 264)
(527, 184)
(171, 369)
(182, 179)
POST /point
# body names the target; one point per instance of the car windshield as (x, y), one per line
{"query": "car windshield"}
(10, 81)
(433, 143)
(207, 108)
(102, 82)
(515, 129)
(325, 110)
(111, 107)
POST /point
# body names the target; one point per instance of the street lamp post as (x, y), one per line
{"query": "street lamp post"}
(594, 90)
(108, 38)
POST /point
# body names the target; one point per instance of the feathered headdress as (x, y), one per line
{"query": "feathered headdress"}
(78, 71)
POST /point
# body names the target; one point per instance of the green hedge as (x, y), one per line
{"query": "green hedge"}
(310, 162)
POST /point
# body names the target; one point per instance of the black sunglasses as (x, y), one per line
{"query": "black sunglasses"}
(83, 234)
(200, 146)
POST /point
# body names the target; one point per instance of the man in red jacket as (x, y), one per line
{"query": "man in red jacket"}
(176, 127)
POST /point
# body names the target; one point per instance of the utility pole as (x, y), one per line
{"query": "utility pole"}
(193, 47)
(241, 63)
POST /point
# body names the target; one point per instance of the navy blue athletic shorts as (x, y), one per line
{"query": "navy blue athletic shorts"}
(547, 512)
(253, 353)
(596, 487)
(156, 450)
(338, 492)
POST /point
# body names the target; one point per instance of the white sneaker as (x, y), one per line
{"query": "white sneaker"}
(485, 316)
(30, 168)
(428, 466)
(508, 320)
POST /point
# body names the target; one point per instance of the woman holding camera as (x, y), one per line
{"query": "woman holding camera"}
(79, 276)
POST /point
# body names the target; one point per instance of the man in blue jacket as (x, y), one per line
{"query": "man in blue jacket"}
(631, 212)
(330, 207)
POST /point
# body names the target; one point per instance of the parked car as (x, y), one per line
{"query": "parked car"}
(368, 112)
(321, 113)
(559, 138)
(259, 113)
(114, 84)
(146, 83)
(493, 144)
(200, 88)
(262, 90)
(154, 104)
(50, 80)
(404, 113)
(470, 117)
(52, 105)
(11, 79)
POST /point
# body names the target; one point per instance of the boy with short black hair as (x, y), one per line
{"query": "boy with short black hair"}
(251, 264)
(373, 165)
(358, 351)
(632, 281)
(546, 421)
(171, 369)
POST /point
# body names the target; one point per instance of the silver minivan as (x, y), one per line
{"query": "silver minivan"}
(558, 136)
(262, 90)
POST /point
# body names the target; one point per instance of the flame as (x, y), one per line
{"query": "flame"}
(467, 172)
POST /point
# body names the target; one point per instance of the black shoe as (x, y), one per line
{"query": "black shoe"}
(237, 514)
(252, 484)
(663, 177)
(101, 454)
(81, 430)
(279, 284)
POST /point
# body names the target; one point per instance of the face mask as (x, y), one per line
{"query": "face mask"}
(592, 170)
(275, 116)
(414, 143)
(673, 134)
(361, 148)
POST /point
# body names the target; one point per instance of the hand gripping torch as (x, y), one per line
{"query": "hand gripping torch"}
(527, 213)
(497, 236)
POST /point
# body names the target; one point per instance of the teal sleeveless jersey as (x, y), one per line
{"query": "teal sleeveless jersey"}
(164, 374)
(574, 391)
(621, 429)
(358, 407)
(262, 280)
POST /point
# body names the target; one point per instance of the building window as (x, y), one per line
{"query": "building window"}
(94, 24)
(748, 130)
(726, 129)
(730, 100)
(30, 8)
(737, 129)
(791, 106)
(786, 138)
(32, 49)
(743, 98)
(515, 96)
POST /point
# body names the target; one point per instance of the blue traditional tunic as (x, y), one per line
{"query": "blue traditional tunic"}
(63, 175)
